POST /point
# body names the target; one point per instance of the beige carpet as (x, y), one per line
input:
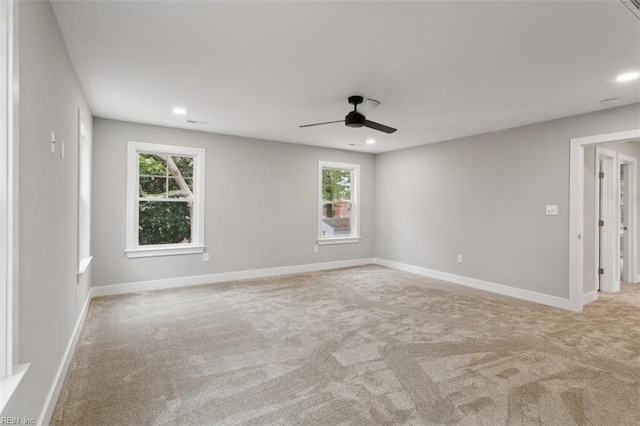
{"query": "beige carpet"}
(360, 346)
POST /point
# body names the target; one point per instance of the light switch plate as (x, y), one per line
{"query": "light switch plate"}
(53, 142)
(552, 210)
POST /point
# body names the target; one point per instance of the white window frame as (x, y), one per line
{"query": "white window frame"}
(6, 201)
(355, 203)
(10, 375)
(84, 197)
(133, 249)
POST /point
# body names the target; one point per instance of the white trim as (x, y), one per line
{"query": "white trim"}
(178, 282)
(84, 264)
(576, 208)
(355, 202)
(631, 259)
(9, 385)
(84, 211)
(197, 220)
(589, 297)
(338, 240)
(576, 225)
(7, 193)
(152, 251)
(531, 296)
(58, 381)
(624, 136)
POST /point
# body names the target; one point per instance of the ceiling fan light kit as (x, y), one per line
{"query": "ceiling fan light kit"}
(356, 118)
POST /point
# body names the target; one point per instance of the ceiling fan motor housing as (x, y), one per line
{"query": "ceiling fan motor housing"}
(355, 100)
(354, 119)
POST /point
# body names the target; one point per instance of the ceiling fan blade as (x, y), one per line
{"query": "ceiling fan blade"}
(378, 126)
(319, 124)
(368, 106)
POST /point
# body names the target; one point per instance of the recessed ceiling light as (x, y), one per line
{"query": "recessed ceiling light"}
(371, 141)
(180, 111)
(628, 76)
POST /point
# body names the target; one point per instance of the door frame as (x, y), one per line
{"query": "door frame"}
(631, 243)
(576, 208)
(607, 255)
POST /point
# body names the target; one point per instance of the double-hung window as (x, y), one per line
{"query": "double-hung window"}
(165, 200)
(84, 198)
(338, 203)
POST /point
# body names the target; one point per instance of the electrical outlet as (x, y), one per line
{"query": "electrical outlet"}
(459, 259)
(205, 256)
(53, 142)
(315, 248)
(552, 210)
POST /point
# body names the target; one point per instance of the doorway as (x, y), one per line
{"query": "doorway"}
(577, 295)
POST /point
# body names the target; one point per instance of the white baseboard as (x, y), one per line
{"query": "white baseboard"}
(114, 289)
(592, 296)
(531, 296)
(54, 392)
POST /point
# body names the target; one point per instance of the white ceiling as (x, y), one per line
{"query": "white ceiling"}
(441, 69)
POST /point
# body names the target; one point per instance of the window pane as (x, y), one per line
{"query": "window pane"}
(152, 165)
(185, 165)
(153, 187)
(336, 185)
(336, 219)
(164, 222)
(180, 188)
(336, 192)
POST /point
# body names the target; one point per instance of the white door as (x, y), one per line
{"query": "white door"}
(607, 225)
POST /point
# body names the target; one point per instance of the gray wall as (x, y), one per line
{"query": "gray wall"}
(261, 204)
(484, 197)
(629, 148)
(50, 96)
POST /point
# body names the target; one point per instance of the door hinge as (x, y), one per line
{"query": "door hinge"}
(600, 271)
(601, 223)
(601, 175)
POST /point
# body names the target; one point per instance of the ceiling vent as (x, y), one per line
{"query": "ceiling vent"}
(633, 6)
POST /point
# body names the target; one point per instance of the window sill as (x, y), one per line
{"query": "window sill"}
(9, 385)
(163, 251)
(344, 240)
(84, 264)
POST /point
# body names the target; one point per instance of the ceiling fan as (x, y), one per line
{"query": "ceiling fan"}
(357, 118)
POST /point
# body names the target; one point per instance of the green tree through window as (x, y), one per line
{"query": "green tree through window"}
(165, 199)
(336, 187)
